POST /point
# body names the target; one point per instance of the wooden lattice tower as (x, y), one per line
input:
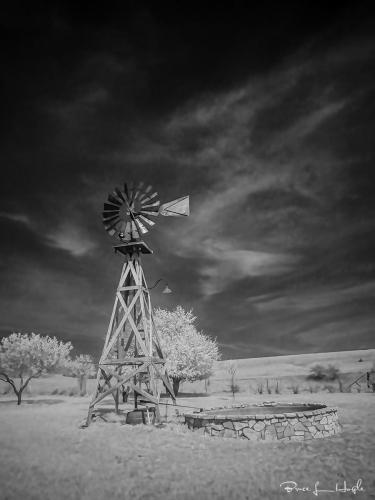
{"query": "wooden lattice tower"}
(132, 359)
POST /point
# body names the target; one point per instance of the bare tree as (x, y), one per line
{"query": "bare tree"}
(232, 370)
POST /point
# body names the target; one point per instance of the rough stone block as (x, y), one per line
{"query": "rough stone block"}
(271, 428)
(215, 432)
(269, 436)
(228, 425)
(297, 438)
(299, 433)
(293, 421)
(198, 423)
(240, 425)
(289, 431)
(259, 426)
(259, 417)
(299, 426)
(200, 430)
(216, 427)
(230, 433)
(251, 434)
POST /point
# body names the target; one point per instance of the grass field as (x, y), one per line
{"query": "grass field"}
(45, 455)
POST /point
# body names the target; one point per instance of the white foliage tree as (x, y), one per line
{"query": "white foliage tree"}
(189, 354)
(25, 356)
(81, 367)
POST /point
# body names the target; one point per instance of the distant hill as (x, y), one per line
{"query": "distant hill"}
(286, 370)
(298, 364)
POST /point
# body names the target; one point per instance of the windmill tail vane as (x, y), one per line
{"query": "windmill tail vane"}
(132, 359)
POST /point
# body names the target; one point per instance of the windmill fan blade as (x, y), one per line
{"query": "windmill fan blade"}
(155, 204)
(114, 200)
(134, 233)
(136, 195)
(148, 221)
(154, 213)
(111, 225)
(149, 198)
(108, 220)
(109, 206)
(176, 208)
(126, 191)
(131, 192)
(119, 194)
(140, 226)
(108, 215)
(148, 189)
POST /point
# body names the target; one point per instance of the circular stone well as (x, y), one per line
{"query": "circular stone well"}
(267, 421)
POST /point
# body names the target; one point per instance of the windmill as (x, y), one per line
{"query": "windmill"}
(132, 359)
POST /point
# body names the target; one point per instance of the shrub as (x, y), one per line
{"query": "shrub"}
(295, 389)
(320, 372)
(232, 370)
(330, 388)
(268, 387)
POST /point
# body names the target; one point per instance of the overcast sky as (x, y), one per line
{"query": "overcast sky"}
(264, 117)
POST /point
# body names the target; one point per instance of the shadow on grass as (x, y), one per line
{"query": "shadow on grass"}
(193, 395)
(32, 402)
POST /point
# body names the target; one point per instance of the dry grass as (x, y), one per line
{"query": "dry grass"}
(44, 455)
(288, 371)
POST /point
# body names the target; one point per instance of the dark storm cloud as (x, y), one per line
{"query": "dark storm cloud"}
(269, 131)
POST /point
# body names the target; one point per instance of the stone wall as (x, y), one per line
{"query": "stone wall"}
(284, 426)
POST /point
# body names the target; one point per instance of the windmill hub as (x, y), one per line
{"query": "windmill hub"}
(132, 360)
